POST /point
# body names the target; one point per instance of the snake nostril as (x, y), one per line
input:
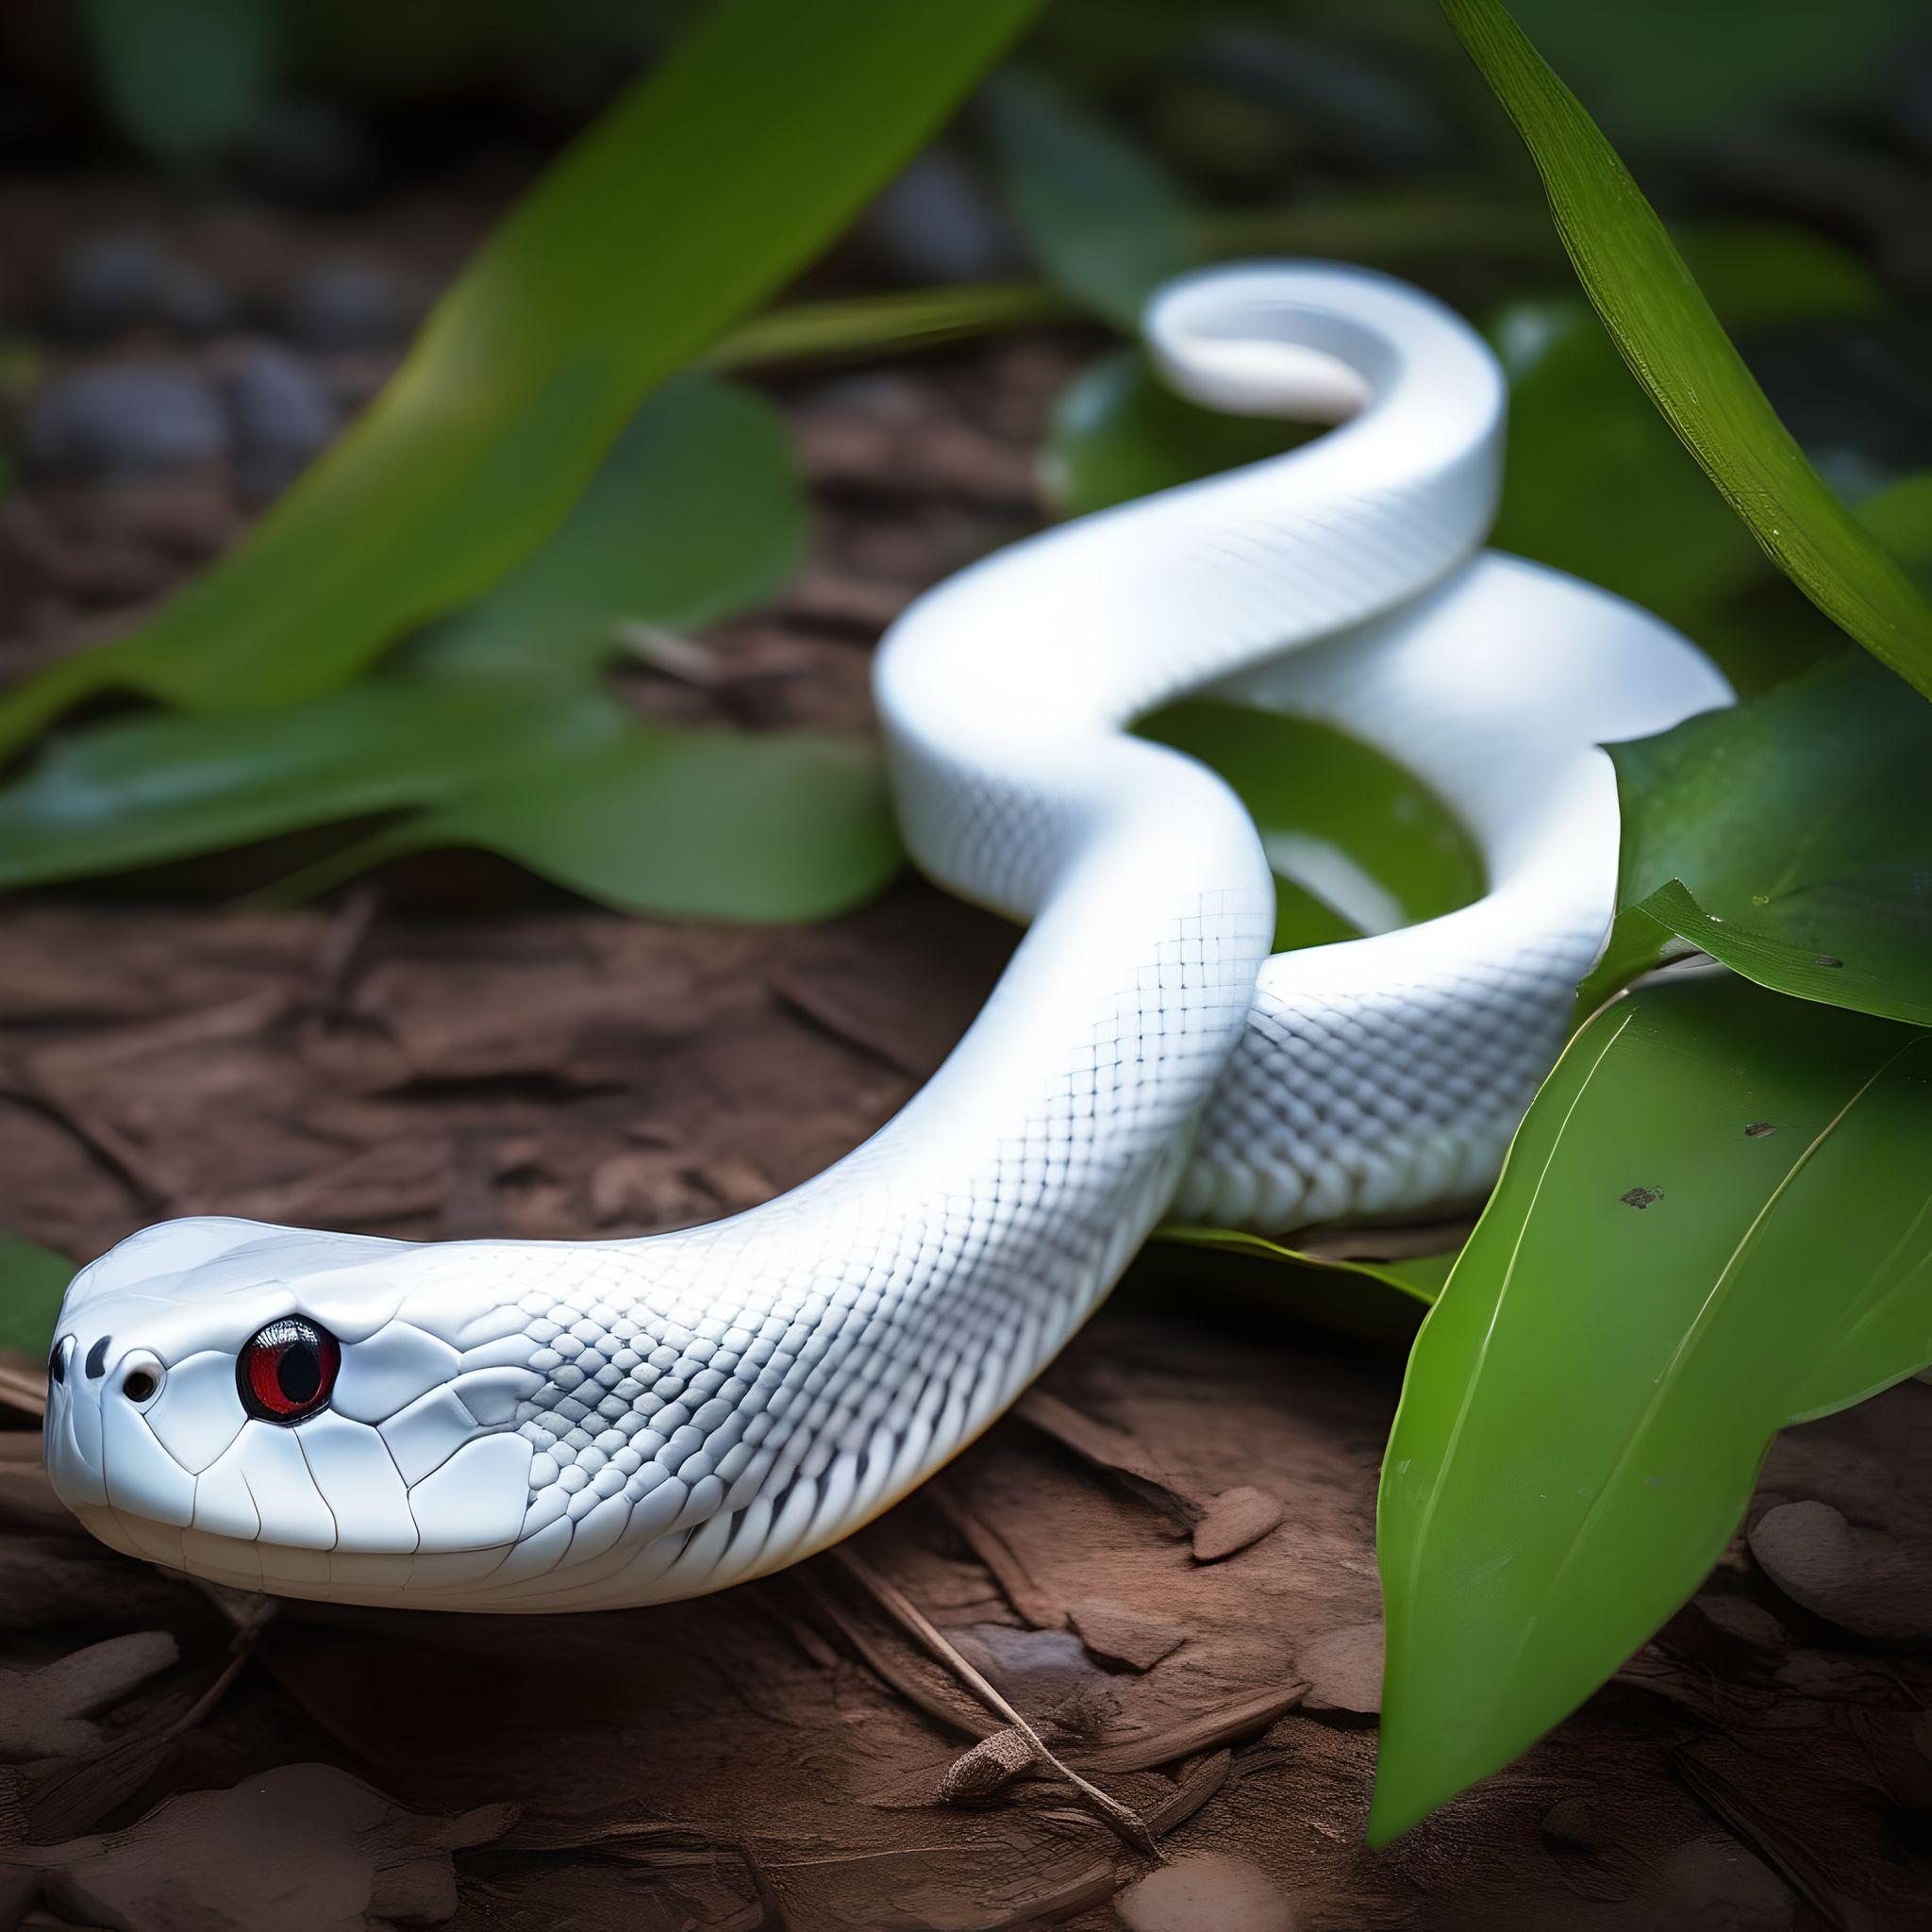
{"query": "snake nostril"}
(98, 1358)
(56, 1362)
(139, 1385)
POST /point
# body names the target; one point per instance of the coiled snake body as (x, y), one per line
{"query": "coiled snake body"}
(517, 1425)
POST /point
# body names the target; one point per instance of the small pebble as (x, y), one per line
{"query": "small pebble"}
(191, 302)
(1033, 1667)
(282, 414)
(1209, 1891)
(937, 224)
(127, 421)
(1575, 1825)
(345, 306)
(105, 284)
(1863, 1580)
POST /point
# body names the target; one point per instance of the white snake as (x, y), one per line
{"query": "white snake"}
(534, 1425)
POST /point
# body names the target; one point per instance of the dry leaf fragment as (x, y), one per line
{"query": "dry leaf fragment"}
(1344, 1669)
(1234, 1519)
(305, 1848)
(46, 1713)
(1122, 1637)
(991, 1763)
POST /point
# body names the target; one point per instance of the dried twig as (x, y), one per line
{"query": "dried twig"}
(1126, 1823)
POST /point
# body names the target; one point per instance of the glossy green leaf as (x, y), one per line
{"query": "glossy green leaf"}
(1716, 1221)
(1107, 222)
(697, 512)
(1357, 843)
(32, 1280)
(1678, 351)
(1118, 431)
(684, 824)
(1790, 838)
(702, 190)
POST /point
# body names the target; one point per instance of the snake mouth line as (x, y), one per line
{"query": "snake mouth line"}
(378, 1578)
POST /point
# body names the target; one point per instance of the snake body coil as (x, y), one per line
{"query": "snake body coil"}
(519, 1425)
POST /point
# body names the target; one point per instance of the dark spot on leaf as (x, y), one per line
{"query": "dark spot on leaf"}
(1757, 1129)
(1642, 1197)
(1827, 959)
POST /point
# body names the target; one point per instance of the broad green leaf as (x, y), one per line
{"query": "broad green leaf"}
(185, 78)
(1715, 1221)
(1419, 1276)
(1790, 838)
(1357, 843)
(1105, 219)
(702, 190)
(1678, 351)
(697, 512)
(32, 1280)
(155, 788)
(1118, 431)
(684, 824)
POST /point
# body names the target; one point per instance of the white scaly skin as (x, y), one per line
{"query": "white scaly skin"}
(564, 1425)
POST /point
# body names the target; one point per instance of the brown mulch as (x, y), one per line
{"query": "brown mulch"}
(1162, 1563)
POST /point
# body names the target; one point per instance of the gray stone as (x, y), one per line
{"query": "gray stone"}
(190, 301)
(282, 414)
(123, 420)
(1207, 1890)
(937, 224)
(346, 305)
(105, 284)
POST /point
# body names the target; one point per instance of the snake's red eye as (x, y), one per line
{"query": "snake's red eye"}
(286, 1370)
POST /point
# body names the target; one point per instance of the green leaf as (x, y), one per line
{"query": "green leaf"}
(32, 1280)
(1714, 1222)
(704, 188)
(1105, 219)
(1787, 837)
(1419, 1276)
(1357, 843)
(1118, 431)
(185, 77)
(695, 513)
(1678, 351)
(685, 824)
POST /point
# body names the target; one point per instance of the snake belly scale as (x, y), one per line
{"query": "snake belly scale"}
(537, 1426)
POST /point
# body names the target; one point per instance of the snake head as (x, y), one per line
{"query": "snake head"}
(271, 1407)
